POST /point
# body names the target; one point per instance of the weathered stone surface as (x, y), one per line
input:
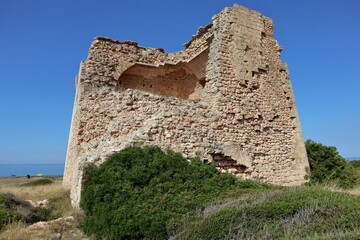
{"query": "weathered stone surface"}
(226, 98)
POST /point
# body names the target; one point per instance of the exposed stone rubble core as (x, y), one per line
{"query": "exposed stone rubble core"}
(227, 98)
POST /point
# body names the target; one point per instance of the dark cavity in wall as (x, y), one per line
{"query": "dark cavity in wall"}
(225, 162)
(183, 80)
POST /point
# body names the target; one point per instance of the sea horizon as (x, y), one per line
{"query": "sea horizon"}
(32, 169)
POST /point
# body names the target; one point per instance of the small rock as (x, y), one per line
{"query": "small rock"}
(69, 219)
(42, 203)
(57, 235)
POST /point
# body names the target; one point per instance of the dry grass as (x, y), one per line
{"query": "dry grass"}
(35, 193)
(58, 229)
(59, 201)
(19, 231)
(334, 188)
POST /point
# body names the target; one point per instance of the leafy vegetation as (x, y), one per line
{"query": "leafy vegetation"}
(326, 166)
(16, 214)
(38, 182)
(355, 164)
(13, 209)
(295, 213)
(145, 193)
(151, 194)
(8, 214)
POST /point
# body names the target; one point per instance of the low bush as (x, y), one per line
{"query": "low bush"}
(16, 213)
(145, 193)
(13, 209)
(355, 164)
(327, 166)
(8, 213)
(297, 213)
(38, 182)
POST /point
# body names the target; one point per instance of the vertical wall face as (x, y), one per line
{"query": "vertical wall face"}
(226, 98)
(255, 94)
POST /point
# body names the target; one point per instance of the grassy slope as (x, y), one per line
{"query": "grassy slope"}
(286, 213)
(279, 213)
(59, 203)
(35, 193)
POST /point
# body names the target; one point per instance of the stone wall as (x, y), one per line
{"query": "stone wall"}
(227, 98)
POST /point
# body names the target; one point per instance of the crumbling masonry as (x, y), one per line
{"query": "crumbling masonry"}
(227, 98)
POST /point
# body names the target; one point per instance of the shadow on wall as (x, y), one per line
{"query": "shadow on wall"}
(183, 80)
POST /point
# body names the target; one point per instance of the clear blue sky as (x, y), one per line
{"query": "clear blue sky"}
(43, 42)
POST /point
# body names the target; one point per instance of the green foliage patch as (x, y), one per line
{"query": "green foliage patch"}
(297, 213)
(7, 213)
(355, 164)
(327, 166)
(146, 193)
(13, 209)
(38, 182)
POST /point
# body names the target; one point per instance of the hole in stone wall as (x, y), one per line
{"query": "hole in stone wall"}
(262, 71)
(274, 118)
(227, 163)
(267, 130)
(183, 80)
(258, 73)
(202, 82)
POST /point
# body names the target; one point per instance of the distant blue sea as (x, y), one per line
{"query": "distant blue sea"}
(8, 170)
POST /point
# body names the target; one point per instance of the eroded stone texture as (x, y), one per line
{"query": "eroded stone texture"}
(226, 98)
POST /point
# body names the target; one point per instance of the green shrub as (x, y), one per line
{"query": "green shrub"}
(252, 185)
(13, 209)
(145, 193)
(296, 213)
(37, 215)
(355, 164)
(8, 213)
(326, 165)
(38, 182)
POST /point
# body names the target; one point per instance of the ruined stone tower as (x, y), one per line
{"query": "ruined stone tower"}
(227, 98)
